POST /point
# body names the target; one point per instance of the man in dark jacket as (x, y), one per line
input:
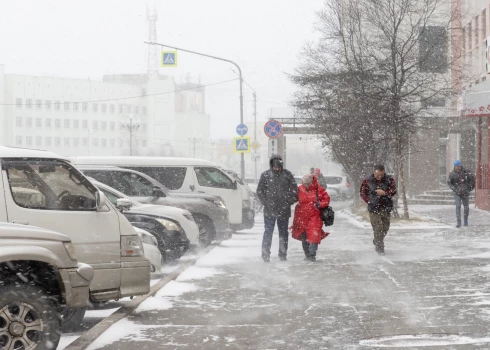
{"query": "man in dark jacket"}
(377, 191)
(277, 191)
(462, 182)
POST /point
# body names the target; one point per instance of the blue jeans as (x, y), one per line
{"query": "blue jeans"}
(282, 225)
(465, 199)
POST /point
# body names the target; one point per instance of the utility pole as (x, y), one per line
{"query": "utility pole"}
(242, 162)
(255, 135)
(194, 139)
(131, 127)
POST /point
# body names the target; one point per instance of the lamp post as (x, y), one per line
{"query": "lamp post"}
(131, 126)
(242, 162)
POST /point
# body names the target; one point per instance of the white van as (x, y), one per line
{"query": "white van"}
(184, 175)
(43, 189)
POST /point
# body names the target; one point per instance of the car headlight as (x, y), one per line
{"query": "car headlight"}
(188, 216)
(131, 246)
(218, 202)
(70, 249)
(169, 225)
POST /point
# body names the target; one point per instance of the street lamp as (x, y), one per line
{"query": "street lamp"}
(242, 162)
(131, 126)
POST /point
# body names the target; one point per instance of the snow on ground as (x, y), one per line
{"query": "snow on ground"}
(197, 273)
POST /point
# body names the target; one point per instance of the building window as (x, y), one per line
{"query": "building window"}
(29, 103)
(484, 24)
(143, 127)
(143, 110)
(67, 123)
(112, 109)
(39, 123)
(76, 124)
(47, 122)
(48, 141)
(18, 103)
(67, 106)
(39, 104)
(136, 110)
(103, 108)
(433, 49)
(121, 143)
(84, 124)
(57, 141)
(470, 37)
(29, 140)
(477, 34)
(39, 140)
(113, 126)
(144, 143)
(47, 105)
(18, 140)
(29, 122)
(18, 122)
(75, 106)
(95, 142)
(95, 107)
(57, 105)
(84, 106)
(85, 142)
(120, 109)
(95, 125)
(128, 109)
(57, 123)
(103, 125)
(67, 142)
(104, 143)
(76, 141)
(113, 143)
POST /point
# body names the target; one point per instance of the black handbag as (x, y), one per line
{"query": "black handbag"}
(327, 214)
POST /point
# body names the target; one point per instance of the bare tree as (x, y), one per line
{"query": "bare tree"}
(396, 54)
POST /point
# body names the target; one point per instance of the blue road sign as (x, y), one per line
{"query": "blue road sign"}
(242, 144)
(273, 129)
(241, 129)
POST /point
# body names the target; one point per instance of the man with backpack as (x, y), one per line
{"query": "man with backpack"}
(277, 191)
(377, 190)
(461, 181)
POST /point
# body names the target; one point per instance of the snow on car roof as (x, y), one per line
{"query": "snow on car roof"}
(13, 152)
(140, 161)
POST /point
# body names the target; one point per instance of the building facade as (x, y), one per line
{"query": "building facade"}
(75, 117)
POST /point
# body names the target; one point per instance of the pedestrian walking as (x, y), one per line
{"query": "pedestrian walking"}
(461, 181)
(321, 179)
(307, 223)
(277, 191)
(377, 191)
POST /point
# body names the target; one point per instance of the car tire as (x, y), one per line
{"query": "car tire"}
(35, 317)
(207, 231)
(71, 318)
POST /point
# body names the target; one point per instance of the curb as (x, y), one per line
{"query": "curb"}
(93, 333)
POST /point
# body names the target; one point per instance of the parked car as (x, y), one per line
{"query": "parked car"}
(182, 175)
(172, 218)
(341, 185)
(42, 189)
(209, 212)
(248, 199)
(40, 279)
(152, 253)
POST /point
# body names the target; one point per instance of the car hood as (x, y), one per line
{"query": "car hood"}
(13, 231)
(192, 195)
(161, 210)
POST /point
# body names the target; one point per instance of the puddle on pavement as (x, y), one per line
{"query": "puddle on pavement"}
(422, 340)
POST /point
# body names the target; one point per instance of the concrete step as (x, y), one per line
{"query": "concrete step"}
(438, 197)
(434, 201)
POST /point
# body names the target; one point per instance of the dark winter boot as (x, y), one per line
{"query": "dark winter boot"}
(283, 258)
(466, 221)
(266, 258)
(458, 225)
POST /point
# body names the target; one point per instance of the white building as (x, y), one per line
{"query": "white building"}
(84, 117)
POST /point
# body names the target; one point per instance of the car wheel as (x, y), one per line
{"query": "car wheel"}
(71, 318)
(28, 318)
(207, 232)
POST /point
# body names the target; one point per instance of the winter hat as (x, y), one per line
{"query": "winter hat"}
(277, 163)
(457, 162)
(307, 179)
(317, 171)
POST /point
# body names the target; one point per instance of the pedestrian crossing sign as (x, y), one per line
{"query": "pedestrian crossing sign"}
(169, 58)
(242, 144)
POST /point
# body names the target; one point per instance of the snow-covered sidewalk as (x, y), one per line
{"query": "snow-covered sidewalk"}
(447, 214)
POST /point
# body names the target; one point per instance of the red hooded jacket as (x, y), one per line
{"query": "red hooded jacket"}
(306, 216)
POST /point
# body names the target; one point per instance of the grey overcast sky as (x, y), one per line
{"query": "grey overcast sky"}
(89, 38)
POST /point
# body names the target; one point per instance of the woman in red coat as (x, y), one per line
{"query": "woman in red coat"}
(307, 224)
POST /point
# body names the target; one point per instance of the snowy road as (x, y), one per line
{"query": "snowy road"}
(431, 290)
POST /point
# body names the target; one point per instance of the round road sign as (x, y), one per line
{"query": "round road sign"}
(273, 129)
(241, 129)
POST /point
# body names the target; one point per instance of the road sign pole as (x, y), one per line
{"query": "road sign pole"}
(255, 135)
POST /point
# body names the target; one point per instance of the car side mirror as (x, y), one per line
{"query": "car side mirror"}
(234, 185)
(123, 204)
(158, 192)
(101, 201)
